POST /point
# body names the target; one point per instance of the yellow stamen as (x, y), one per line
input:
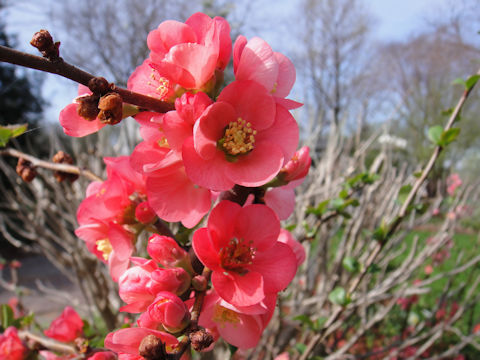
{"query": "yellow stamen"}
(222, 315)
(105, 247)
(239, 137)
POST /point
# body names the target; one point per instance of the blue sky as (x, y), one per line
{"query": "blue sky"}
(396, 19)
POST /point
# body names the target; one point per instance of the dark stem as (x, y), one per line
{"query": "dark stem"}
(62, 68)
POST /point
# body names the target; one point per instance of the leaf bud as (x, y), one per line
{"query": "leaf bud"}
(152, 348)
(201, 340)
(62, 157)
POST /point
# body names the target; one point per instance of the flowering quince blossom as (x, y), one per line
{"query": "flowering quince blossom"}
(107, 211)
(189, 54)
(75, 125)
(67, 327)
(236, 143)
(240, 246)
(11, 347)
(239, 326)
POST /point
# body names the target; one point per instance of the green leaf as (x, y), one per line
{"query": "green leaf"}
(435, 133)
(417, 174)
(373, 268)
(319, 322)
(380, 232)
(6, 316)
(305, 320)
(11, 131)
(403, 193)
(351, 264)
(343, 194)
(471, 81)
(459, 81)
(339, 296)
(337, 204)
(290, 227)
(448, 112)
(300, 348)
(448, 136)
(320, 209)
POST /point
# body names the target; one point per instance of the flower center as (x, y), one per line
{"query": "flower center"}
(239, 137)
(223, 315)
(236, 255)
(105, 247)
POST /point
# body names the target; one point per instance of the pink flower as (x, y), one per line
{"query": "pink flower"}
(453, 182)
(67, 327)
(103, 355)
(146, 80)
(428, 269)
(241, 327)
(127, 341)
(171, 194)
(240, 246)
(75, 125)
(166, 251)
(11, 347)
(188, 54)
(297, 248)
(236, 143)
(255, 60)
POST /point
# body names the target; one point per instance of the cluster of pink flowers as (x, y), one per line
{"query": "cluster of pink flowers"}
(217, 137)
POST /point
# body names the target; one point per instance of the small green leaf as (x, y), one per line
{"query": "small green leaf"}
(339, 296)
(320, 209)
(471, 81)
(459, 81)
(435, 133)
(373, 268)
(351, 264)
(380, 232)
(403, 193)
(6, 316)
(343, 194)
(337, 204)
(448, 136)
(448, 112)
(417, 174)
(290, 227)
(11, 131)
(300, 348)
(319, 322)
(305, 320)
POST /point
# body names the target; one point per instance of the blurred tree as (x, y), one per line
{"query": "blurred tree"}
(334, 33)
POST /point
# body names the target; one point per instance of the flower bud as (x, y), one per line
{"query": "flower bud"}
(199, 283)
(170, 311)
(98, 85)
(144, 213)
(152, 348)
(111, 108)
(63, 158)
(87, 107)
(43, 41)
(67, 327)
(26, 170)
(201, 340)
(166, 251)
(175, 280)
(298, 166)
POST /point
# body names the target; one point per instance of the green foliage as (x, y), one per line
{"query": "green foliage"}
(339, 296)
(403, 193)
(351, 264)
(469, 83)
(11, 131)
(6, 316)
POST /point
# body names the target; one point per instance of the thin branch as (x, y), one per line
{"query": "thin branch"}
(62, 68)
(71, 169)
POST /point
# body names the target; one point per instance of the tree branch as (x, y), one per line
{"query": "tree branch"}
(62, 68)
(71, 169)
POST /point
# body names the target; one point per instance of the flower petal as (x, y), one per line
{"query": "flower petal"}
(239, 290)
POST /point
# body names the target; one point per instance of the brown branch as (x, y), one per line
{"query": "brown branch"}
(403, 212)
(197, 307)
(46, 343)
(62, 68)
(71, 169)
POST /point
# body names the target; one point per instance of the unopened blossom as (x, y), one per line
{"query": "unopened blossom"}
(241, 247)
(298, 166)
(170, 311)
(67, 327)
